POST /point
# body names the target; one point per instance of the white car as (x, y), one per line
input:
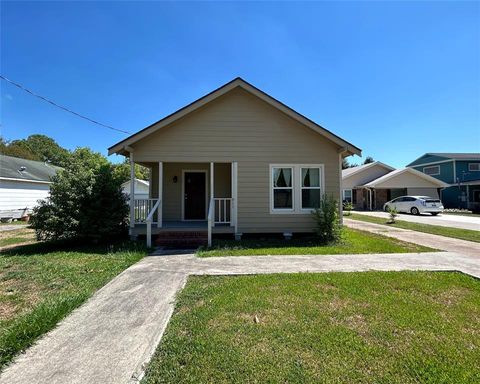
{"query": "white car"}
(415, 205)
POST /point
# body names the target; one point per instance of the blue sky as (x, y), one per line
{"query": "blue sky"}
(397, 79)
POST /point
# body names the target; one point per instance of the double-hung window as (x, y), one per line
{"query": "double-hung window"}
(295, 188)
(282, 188)
(310, 187)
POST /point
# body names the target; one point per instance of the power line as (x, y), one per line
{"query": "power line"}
(59, 106)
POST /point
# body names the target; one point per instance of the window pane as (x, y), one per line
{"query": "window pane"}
(310, 198)
(282, 199)
(282, 177)
(310, 177)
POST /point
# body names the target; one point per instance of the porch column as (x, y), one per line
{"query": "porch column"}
(132, 191)
(160, 195)
(340, 184)
(212, 184)
(233, 213)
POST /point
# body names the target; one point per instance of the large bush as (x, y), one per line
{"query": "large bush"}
(326, 216)
(85, 202)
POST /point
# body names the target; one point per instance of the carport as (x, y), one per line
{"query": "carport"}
(406, 181)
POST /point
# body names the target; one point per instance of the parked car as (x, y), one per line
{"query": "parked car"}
(415, 205)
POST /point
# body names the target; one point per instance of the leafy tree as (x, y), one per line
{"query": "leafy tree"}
(368, 160)
(123, 171)
(15, 150)
(85, 202)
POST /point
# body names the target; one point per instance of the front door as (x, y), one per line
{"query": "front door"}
(194, 196)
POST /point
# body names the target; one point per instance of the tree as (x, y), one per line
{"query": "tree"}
(346, 164)
(85, 202)
(37, 147)
(123, 171)
(368, 160)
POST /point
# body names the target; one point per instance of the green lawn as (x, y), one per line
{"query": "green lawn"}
(370, 327)
(16, 236)
(40, 284)
(353, 241)
(464, 234)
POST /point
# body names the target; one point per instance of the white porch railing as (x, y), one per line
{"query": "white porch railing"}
(141, 209)
(223, 210)
(149, 220)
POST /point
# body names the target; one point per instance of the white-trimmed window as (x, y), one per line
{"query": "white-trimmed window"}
(347, 195)
(432, 171)
(282, 188)
(310, 187)
(295, 188)
(474, 167)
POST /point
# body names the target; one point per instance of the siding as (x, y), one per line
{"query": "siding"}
(425, 159)
(446, 171)
(240, 127)
(364, 177)
(21, 194)
(464, 174)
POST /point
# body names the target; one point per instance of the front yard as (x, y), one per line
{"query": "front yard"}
(370, 327)
(17, 236)
(457, 233)
(40, 284)
(353, 242)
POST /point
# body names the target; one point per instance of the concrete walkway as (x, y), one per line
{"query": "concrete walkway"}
(442, 220)
(443, 243)
(111, 337)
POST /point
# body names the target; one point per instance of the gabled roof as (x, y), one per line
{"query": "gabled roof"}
(398, 172)
(137, 181)
(449, 156)
(360, 168)
(14, 168)
(121, 147)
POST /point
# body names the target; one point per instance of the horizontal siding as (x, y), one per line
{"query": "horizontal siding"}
(240, 127)
(20, 195)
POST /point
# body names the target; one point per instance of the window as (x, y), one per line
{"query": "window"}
(347, 195)
(282, 188)
(432, 171)
(295, 188)
(310, 188)
(474, 167)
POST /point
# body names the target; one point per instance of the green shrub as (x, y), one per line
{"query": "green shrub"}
(347, 208)
(326, 216)
(85, 202)
(393, 213)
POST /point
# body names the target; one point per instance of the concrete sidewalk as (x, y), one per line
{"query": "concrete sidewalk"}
(443, 243)
(111, 337)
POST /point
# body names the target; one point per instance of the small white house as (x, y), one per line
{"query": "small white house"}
(22, 184)
(141, 190)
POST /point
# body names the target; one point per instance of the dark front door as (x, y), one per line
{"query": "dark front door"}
(194, 198)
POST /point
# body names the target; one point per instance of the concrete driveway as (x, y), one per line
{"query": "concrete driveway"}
(444, 220)
(113, 335)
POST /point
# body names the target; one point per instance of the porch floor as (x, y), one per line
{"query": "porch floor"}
(183, 226)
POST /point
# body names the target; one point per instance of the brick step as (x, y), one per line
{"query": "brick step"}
(186, 242)
(182, 235)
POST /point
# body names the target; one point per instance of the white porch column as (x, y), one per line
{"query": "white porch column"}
(212, 184)
(234, 209)
(132, 191)
(160, 195)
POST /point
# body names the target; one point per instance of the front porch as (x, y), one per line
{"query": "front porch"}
(186, 197)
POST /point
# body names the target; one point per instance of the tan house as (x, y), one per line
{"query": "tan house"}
(234, 161)
(370, 186)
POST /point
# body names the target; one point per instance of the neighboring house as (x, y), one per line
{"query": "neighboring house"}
(141, 190)
(22, 184)
(371, 185)
(239, 159)
(461, 171)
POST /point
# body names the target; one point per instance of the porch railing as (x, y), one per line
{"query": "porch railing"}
(149, 221)
(223, 210)
(141, 209)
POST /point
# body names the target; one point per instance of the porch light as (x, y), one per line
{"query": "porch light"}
(175, 179)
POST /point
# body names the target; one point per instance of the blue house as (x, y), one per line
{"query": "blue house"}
(460, 170)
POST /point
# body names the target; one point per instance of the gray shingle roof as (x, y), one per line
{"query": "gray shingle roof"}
(458, 156)
(16, 168)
